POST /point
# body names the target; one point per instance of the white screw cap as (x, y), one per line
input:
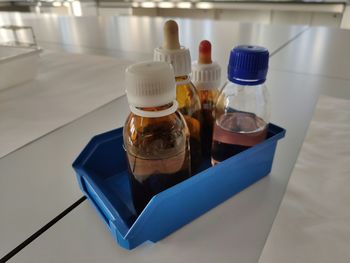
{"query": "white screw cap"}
(150, 84)
(206, 76)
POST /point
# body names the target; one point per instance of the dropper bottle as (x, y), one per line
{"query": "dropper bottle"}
(186, 94)
(206, 76)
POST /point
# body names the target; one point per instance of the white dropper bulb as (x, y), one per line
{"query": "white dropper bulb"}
(171, 35)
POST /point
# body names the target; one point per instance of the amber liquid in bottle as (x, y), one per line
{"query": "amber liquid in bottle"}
(158, 154)
(208, 100)
(236, 132)
(190, 106)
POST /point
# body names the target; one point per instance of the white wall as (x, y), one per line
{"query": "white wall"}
(321, 18)
(259, 16)
(112, 11)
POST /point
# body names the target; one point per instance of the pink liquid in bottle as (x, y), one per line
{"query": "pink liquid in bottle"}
(236, 132)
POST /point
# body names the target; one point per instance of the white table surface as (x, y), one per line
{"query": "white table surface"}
(320, 51)
(38, 182)
(312, 224)
(66, 87)
(235, 230)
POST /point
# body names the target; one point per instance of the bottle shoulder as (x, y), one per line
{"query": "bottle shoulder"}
(231, 85)
(173, 124)
(243, 98)
(233, 90)
(147, 137)
(141, 121)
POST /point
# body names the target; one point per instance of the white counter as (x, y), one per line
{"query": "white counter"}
(237, 229)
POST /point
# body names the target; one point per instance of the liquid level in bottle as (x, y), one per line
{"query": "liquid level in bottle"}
(149, 177)
(234, 133)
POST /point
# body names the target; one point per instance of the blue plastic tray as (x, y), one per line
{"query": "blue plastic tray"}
(102, 175)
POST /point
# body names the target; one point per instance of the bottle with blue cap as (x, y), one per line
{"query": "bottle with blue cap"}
(242, 109)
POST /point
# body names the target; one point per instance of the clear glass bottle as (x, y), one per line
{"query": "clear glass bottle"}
(242, 109)
(186, 93)
(206, 76)
(156, 137)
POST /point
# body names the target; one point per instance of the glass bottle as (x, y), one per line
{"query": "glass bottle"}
(206, 76)
(156, 137)
(242, 109)
(186, 93)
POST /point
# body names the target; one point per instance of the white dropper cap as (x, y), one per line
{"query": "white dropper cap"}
(150, 84)
(206, 74)
(172, 52)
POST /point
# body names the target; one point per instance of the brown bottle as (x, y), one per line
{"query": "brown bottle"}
(206, 76)
(156, 137)
(186, 93)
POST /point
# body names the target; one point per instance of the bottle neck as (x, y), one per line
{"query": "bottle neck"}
(182, 80)
(155, 112)
(157, 108)
(247, 82)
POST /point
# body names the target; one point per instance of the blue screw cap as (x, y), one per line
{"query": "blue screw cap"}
(248, 65)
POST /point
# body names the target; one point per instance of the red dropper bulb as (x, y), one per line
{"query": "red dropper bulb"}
(204, 52)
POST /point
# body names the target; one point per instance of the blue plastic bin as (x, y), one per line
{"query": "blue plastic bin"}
(102, 175)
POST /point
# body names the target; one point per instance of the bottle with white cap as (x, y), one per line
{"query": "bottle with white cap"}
(206, 76)
(186, 94)
(156, 137)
